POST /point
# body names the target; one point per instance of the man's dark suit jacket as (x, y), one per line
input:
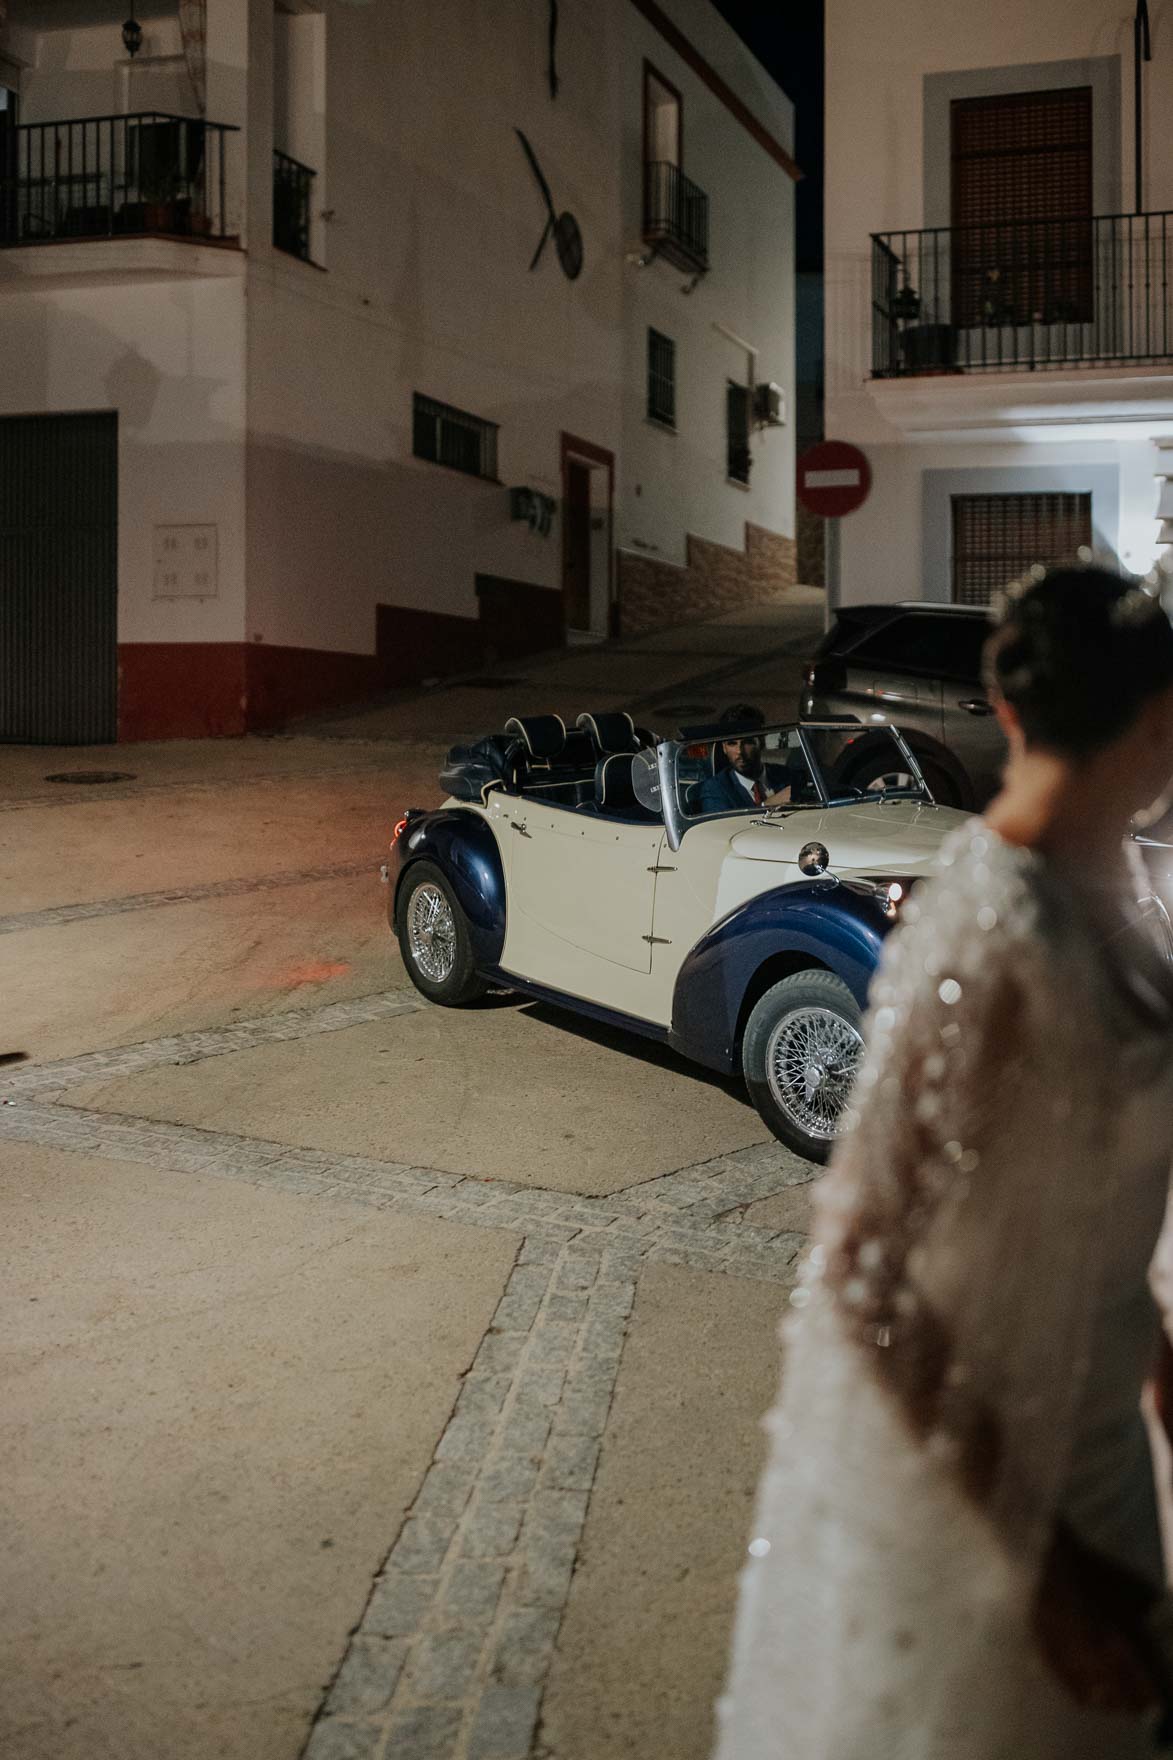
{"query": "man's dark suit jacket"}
(722, 792)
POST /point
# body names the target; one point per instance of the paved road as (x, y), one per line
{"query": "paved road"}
(381, 1380)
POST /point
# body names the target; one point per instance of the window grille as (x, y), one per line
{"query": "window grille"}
(737, 432)
(1022, 208)
(997, 538)
(661, 378)
(445, 435)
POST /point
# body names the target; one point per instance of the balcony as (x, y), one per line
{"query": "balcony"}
(676, 216)
(103, 177)
(293, 185)
(1024, 296)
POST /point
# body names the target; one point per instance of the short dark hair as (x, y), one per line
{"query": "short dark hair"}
(741, 716)
(1077, 655)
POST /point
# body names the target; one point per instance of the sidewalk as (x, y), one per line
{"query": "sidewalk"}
(684, 673)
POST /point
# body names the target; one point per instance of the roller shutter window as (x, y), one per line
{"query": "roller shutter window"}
(997, 538)
(1022, 208)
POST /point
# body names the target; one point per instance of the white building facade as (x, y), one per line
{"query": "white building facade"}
(320, 402)
(999, 291)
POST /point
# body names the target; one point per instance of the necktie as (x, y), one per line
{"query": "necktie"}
(759, 794)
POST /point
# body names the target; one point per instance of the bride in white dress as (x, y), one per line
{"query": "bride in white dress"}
(955, 1552)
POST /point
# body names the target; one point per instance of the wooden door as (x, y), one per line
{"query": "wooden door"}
(576, 584)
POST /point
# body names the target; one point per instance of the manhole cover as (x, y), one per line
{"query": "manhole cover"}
(74, 777)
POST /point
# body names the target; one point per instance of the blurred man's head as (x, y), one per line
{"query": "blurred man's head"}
(743, 753)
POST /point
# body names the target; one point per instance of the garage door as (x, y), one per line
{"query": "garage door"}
(59, 579)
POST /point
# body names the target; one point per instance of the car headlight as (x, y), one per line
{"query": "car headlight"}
(889, 892)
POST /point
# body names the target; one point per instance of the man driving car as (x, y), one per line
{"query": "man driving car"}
(746, 779)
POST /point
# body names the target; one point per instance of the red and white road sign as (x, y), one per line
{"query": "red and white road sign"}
(833, 478)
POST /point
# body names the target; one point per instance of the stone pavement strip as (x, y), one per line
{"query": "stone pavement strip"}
(450, 1658)
(149, 901)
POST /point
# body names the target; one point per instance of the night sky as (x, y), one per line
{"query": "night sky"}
(788, 41)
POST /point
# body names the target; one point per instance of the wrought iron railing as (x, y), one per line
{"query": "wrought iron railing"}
(676, 215)
(100, 176)
(1023, 294)
(293, 185)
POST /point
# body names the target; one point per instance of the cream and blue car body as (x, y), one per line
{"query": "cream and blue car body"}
(589, 877)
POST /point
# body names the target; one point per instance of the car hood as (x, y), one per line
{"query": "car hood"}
(901, 837)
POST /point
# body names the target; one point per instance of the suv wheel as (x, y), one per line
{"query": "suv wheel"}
(876, 774)
(434, 939)
(799, 1056)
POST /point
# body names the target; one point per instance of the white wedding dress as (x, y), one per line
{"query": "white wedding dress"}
(967, 1346)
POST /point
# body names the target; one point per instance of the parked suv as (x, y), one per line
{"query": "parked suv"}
(919, 667)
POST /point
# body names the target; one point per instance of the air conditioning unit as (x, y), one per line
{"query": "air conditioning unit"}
(769, 405)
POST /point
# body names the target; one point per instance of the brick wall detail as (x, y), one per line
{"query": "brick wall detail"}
(655, 594)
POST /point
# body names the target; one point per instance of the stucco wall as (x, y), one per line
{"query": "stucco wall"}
(169, 360)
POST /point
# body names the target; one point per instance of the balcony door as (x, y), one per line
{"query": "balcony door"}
(1023, 254)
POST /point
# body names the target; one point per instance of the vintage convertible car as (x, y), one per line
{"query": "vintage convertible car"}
(641, 883)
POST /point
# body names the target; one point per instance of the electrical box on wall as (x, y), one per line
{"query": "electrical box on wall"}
(769, 405)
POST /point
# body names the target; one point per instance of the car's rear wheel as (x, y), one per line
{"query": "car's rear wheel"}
(877, 773)
(799, 1055)
(434, 939)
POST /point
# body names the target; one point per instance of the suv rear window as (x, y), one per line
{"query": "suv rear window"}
(946, 647)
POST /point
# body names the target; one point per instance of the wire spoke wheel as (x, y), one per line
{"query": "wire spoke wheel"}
(812, 1055)
(431, 933)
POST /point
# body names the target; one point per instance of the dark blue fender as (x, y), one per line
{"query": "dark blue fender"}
(819, 921)
(463, 847)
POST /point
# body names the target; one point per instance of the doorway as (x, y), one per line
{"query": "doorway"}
(588, 493)
(59, 579)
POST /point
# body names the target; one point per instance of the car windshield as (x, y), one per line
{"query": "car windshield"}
(784, 769)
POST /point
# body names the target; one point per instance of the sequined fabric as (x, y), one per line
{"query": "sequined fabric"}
(968, 1338)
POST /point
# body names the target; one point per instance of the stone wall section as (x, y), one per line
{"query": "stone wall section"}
(655, 595)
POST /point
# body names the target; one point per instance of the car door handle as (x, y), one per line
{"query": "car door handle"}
(976, 706)
(519, 825)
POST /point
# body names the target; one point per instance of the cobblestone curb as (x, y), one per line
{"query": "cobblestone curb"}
(64, 1073)
(452, 1651)
(150, 901)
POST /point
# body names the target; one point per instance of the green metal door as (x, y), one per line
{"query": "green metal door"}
(59, 579)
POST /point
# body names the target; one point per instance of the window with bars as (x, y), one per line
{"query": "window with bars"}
(1022, 208)
(997, 538)
(661, 378)
(737, 454)
(445, 435)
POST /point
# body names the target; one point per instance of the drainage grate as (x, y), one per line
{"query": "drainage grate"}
(73, 777)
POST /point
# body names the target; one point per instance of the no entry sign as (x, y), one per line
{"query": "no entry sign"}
(833, 479)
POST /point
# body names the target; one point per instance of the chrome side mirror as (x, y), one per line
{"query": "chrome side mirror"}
(814, 858)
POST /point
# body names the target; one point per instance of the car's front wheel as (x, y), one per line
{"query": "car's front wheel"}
(434, 939)
(799, 1054)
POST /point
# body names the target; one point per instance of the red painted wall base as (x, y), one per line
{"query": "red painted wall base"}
(190, 690)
